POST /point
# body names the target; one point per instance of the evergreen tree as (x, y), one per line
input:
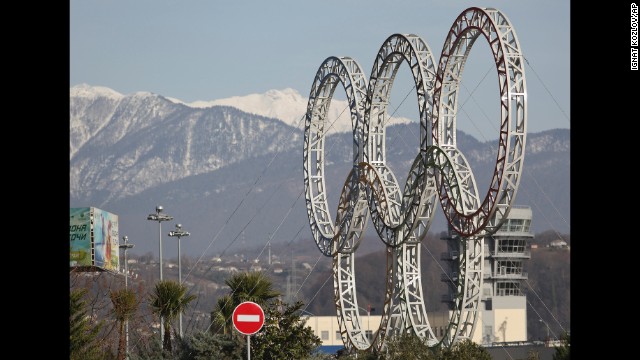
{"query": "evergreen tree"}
(563, 352)
(533, 355)
(206, 345)
(409, 347)
(284, 335)
(465, 350)
(83, 336)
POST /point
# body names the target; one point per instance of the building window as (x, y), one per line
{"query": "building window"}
(324, 335)
(508, 288)
(369, 334)
(509, 267)
(512, 246)
(516, 225)
(505, 226)
(338, 337)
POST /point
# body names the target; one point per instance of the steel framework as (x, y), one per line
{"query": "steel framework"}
(439, 172)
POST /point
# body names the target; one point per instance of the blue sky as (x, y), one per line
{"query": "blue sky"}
(205, 50)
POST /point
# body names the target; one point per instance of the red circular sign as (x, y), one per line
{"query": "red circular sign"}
(248, 318)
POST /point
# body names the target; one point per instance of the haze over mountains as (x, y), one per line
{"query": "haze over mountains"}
(230, 170)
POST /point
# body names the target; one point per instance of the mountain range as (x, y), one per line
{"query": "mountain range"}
(230, 170)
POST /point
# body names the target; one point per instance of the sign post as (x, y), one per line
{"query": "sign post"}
(248, 319)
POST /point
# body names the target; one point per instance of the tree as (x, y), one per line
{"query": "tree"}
(83, 342)
(563, 352)
(152, 351)
(318, 355)
(206, 345)
(409, 347)
(255, 286)
(361, 355)
(533, 355)
(465, 350)
(284, 334)
(251, 286)
(221, 315)
(124, 306)
(168, 300)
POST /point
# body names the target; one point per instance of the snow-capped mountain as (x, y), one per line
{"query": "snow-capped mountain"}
(289, 106)
(91, 106)
(222, 171)
(286, 105)
(122, 145)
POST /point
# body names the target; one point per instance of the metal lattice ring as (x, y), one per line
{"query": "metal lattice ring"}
(440, 168)
(400, 218)
(470, 218)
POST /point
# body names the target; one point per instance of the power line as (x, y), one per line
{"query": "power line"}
(548, 91)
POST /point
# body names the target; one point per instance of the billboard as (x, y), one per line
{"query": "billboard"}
(93, 236)
(80, 237)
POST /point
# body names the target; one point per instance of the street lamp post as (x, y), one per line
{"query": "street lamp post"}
(547, 325)
(178, 232)
(368, 320)
(126, 246)
(160, 217)
(315, 330)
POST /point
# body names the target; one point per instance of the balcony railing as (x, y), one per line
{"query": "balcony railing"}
(448, 298)
(526, 254)
(449, 256)
(521, 276)
(447, 277)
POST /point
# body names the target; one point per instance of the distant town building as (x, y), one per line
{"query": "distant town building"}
(213, 286)
(558, 244)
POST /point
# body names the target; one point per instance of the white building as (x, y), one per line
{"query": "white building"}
(327, 329)
(503, 308)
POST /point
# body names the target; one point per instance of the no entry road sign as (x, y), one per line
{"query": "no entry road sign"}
(248, 318)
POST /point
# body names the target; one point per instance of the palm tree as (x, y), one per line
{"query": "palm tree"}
(168, 300)
(253, 286)
(222, 313)
(125, 305)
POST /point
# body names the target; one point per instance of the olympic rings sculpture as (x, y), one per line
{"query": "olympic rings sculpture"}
(439, 174)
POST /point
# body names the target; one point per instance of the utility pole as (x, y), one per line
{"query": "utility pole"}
(160, 217)
(126, 246)
(178, 232)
